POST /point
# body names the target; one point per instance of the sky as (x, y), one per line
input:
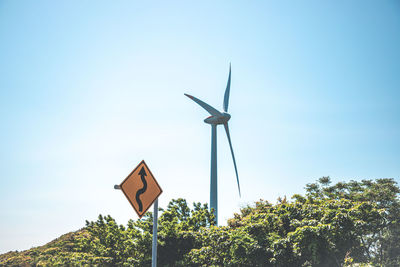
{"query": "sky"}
(88, 89)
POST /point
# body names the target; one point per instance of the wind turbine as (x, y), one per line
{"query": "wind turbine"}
(215, 119)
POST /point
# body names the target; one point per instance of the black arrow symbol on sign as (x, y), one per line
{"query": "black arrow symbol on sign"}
(141, 190)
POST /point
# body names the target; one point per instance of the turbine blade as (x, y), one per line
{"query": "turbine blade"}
(228, 88)
(233, 155)
(206, 106)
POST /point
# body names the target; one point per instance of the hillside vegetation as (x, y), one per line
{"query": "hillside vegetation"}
(346, 224)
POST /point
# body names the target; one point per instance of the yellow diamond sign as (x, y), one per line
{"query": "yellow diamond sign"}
(141, 188)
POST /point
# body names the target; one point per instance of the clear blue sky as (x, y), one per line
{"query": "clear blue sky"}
(90, 88)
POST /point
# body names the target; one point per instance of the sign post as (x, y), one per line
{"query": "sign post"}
(154, 246)
(142, 190)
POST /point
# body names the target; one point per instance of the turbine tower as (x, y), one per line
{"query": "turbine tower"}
(215, 119)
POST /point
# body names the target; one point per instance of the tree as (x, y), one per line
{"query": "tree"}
(380, 240)
(331, 225)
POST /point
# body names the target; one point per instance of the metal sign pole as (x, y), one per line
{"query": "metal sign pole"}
(154, 247)
(138, 183)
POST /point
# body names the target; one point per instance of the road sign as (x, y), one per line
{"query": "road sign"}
(141, 188)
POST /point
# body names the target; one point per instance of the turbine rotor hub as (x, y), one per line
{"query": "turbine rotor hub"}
(215, 120)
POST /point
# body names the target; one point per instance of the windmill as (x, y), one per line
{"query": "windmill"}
(215, 119)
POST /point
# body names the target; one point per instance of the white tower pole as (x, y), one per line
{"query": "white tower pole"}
(213, 180)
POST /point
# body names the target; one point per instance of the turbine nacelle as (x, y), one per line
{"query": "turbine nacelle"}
(218, 119)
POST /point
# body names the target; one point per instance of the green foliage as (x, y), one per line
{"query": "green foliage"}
(345, 224)
(64, 251)
(379, 234)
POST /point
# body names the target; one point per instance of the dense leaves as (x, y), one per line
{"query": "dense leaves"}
(331, 225)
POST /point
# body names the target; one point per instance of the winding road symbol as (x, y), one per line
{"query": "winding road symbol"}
(141, 188)
(142, 174)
